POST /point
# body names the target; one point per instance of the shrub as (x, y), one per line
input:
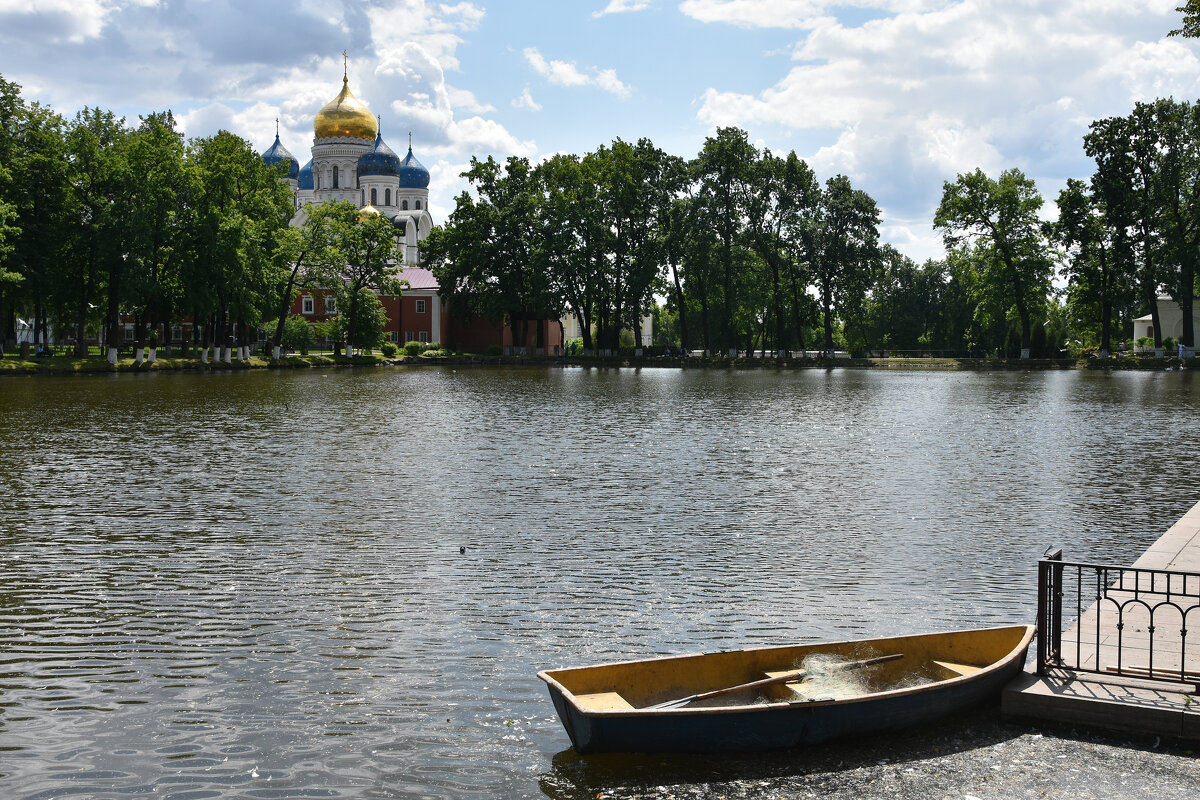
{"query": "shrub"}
(389, 349)
(495, 350)
(414, 348)
(368, 323)
(298, 334)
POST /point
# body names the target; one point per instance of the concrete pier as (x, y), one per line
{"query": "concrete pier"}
(1121, 703)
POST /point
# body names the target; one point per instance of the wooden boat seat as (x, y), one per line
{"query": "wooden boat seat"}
(786, 691)
(958, 669)
(604, 701)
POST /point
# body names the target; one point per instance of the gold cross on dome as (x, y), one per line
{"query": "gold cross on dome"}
(345, 65)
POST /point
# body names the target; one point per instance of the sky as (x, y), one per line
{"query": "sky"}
(898, 95)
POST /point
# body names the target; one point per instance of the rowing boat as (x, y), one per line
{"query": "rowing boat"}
(775, 697)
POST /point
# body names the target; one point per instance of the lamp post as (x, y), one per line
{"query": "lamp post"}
(24, 336)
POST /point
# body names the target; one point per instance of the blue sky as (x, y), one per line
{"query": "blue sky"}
(900, 95)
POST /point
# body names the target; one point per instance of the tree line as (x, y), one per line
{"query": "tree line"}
(101, 222)
(750, 251)
(738, 248)
(746, 247)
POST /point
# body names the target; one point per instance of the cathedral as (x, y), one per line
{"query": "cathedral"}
(351, 162)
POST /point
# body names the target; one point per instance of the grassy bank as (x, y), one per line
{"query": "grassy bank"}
(11, 364)
(95, 364)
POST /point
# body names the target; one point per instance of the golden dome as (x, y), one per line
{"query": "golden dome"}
(345, 116)
(368, 211)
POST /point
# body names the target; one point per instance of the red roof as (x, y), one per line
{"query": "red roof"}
(419, 278)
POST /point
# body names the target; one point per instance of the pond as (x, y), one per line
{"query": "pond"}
(341, 583)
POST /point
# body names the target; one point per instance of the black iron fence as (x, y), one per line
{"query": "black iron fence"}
(1118, 620)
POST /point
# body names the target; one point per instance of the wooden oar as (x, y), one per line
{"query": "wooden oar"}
(787, 677)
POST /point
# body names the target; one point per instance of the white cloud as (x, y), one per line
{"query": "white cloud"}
(904, 102)
(800, 14)
(607, 80)
(755, 13)
(622, 6)
(63, 20)
(465, 99)
(255, 123)
(561, 73)
(525, 100)
(565, 73)
(479, 135)
(436, 29)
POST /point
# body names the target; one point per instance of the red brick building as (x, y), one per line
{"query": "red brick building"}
(419, 315)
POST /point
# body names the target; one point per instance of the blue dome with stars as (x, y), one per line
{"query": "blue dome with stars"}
(304, 179)
(277, 153)
(382, 160)
(412, 174)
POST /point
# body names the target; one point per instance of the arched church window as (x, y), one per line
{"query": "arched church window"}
(387, 197)
(374, 197)
(404, 205)
(335, 177)
(418, 205)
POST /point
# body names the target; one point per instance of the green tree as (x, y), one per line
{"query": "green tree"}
(573, 242)
(639, 185)
(359, 259)
(10, 105)
(1191, 20)
(783, 203)
(905, 308)
(365, 329)
(486, 255)
(154, 204)
(723, 172)
(844, 245)
(302, 256)
(1099, 266)
(1177, 130)
(99, 179)
(38, 194)
(1125, 179)
(995, 225)
(240, 211)
(1147, 169)
(666, 326)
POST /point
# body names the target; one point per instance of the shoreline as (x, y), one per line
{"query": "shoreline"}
(98, 365)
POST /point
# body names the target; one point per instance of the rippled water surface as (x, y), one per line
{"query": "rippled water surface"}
(251, 585)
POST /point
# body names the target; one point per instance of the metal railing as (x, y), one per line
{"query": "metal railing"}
(1119, 620)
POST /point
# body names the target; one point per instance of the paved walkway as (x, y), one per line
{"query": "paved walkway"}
(1119, 702)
